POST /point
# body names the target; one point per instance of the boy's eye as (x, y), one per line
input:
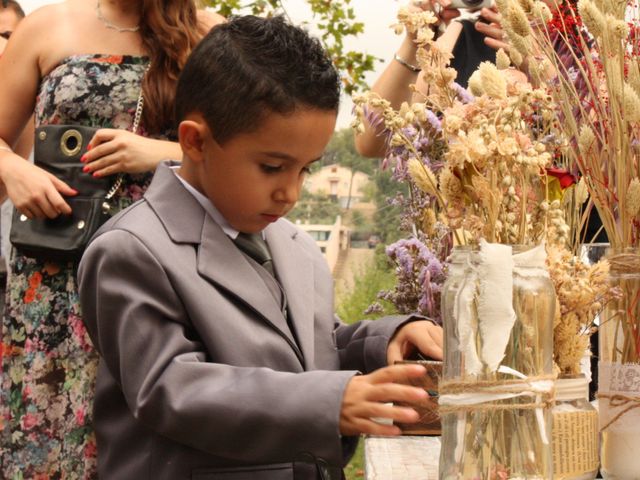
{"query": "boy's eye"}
(270, 168)
(306, 170)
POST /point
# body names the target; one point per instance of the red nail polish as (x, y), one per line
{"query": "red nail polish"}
(86, 169)
(96, 175)
(83, 158)
(89, 147)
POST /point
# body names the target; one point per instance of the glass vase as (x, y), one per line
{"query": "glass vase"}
(495, 397)
(619, 370)
(574, 430)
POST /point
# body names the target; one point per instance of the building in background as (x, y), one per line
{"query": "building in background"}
(339, 183)
(332, 239)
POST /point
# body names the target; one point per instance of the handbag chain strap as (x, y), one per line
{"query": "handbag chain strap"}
(137, 117)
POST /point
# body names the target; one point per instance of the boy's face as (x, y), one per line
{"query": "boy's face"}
(255, 178)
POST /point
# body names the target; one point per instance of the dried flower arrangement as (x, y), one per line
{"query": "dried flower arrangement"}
(475, 164)
(582, 291)
(598, 92)
(595, 81)
(483, 165)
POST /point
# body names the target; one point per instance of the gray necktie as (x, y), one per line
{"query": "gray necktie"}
(254, 245)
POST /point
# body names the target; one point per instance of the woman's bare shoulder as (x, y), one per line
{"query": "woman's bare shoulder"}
(210, 19)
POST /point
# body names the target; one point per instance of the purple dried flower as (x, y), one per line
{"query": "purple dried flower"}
(462, 93)
(434, 121)
(420, 275)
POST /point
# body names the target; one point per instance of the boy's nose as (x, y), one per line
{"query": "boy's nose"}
(288, 192)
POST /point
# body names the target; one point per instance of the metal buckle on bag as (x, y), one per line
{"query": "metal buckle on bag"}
(71, 142)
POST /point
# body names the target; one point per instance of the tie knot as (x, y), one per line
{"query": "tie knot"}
(254, 245)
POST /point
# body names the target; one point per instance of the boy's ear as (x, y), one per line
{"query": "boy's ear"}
(192, 133)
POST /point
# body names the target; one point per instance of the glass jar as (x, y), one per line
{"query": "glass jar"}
(574, 430)
(619, 370)
(498, 305)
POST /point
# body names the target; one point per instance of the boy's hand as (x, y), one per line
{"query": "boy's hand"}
(421, 335)
(366, 397)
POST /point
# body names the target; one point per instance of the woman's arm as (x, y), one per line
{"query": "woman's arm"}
(33, 191)
(393, 84)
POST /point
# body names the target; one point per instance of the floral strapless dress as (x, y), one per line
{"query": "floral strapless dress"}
(48, 362)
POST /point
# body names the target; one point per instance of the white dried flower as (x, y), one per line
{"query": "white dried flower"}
(517, 20)
(631, 104)
(617, 28)
(502, 60)
(422, 176)
(586, 139)
(493, 81)
(633, 197)
(475, 84)
(516, 57)
(542, 12)
(592, 17)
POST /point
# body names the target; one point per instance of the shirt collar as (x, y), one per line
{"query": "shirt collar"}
(208, 206)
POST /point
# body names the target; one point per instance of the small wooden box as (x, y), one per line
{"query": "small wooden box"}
(429, 423)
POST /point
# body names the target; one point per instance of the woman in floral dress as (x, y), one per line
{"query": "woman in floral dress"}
(80, 62)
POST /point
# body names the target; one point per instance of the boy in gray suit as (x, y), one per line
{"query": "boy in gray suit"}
(221, 357)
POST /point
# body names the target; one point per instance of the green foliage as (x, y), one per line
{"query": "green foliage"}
(315, 209)
(342, 150)
(357, 220)
(387, 216)
(377, 276)
(334, 18)
(355, 469)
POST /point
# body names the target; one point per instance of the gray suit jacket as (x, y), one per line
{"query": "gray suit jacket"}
(200, 377)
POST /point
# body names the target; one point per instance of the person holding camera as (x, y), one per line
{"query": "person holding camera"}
(472, 40)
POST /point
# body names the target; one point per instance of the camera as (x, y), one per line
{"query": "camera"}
(470, 4)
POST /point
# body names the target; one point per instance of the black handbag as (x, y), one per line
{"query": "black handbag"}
(58, 149)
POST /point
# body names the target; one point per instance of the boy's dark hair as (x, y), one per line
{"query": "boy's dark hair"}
(15, 6)
(249, 67)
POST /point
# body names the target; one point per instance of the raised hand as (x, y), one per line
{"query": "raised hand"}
(422, 336)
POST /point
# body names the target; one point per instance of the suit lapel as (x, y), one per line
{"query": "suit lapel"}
(219, 260)
(295, 272)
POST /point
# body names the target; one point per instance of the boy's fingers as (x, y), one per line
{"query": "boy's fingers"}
(394, 353)
(397, 373)
(430, 346)
(396, 392)
(395, 413)
(429, 342)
